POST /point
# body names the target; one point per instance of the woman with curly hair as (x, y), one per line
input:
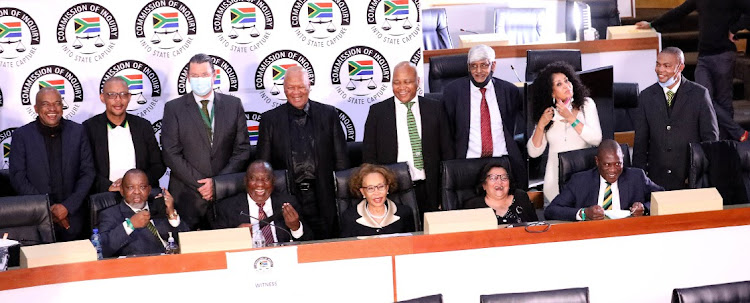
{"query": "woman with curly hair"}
(565, 117)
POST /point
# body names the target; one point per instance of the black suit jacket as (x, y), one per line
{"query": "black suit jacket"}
(662, 138)
(380, 143)
(191, 157)
(147, 151)
(457, 103)
(116, 242)
(228, 214)
(583, 191)
(330, 149)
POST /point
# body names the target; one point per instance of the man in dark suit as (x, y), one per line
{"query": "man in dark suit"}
(128, 227)
(393, 123)
(52, 156)
(483, 117)
(204, 134)
(262, 202)
(121, 141)
(306, 138)
(608, 186)
(671, 114)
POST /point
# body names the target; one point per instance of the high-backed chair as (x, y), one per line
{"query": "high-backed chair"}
(724, 165)
(460, 179)
(27, 220)
(5, 188)
(355, 153)
(445, 69)
(604, 13)
(536, 60)
(102, 201)
(520, 25)
(580, 160)
(626, 101)
(404, 194)
(728, 292)
(426, 299)
(435, 29)
(229, 185)
(600, 82)
(570, 295)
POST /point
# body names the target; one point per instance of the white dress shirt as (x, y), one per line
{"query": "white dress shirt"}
(121, 150)
(210, 105)
(405, 153)
(600, 198)
(475, 123)
(674, 89)
(268, 208)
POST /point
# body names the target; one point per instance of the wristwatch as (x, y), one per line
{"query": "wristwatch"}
(173, 215)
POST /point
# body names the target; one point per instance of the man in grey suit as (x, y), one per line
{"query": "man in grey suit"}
(671, 114)
(204, 134)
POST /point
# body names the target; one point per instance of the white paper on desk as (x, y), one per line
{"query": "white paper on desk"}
(617, 213)
(384, 236)
(264, 274)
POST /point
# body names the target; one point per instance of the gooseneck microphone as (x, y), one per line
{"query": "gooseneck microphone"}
(515, 73)
(463, 30)
(268, 221)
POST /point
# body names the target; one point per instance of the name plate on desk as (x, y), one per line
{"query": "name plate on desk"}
(493, 39)
(459, 220)
(57, 253)
(265, 275)
(629, 32)
(685, 201)
(215, 240)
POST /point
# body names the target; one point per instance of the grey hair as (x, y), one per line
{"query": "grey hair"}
(675, 51)
(481, 52)
(203, 58)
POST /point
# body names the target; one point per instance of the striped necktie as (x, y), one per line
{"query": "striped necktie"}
(265, 229)
(670, 97)
(607, 202)
(155, 232)
(416, 142)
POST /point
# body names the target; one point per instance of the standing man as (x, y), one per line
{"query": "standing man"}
(306, 138)
(482, 111)
(718, 21)
(52, 156)
(204, 134)
(411, 129)
(121, 141)
(671, 114)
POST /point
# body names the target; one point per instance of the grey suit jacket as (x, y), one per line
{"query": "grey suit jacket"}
(662, 136)
(191, 157)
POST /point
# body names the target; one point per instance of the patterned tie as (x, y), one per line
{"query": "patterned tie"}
(207, 119)
(265, 228)
(154, 232)
(670, 97)
(607, 202)
(416, 142)
(484, 114)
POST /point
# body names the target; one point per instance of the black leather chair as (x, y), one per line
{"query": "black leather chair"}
(724, 165)
(445, 69)
(434, 96)
(460, 179)
(570, 295)
(27, 220)
(536, 60)
(580, 160)
(729, 292)
(427, 299)
(404, 194)
(102, 201)
(600, 82)
(626, 101)
(604, 13)
(229, 185)
(435, 29)
(5, 188)
(355, 153)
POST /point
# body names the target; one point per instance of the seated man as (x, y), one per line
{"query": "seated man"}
(128, 228)
(263, 203)
(608, 186)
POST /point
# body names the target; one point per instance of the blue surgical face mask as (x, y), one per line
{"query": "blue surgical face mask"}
(671, 81)
(201, 85)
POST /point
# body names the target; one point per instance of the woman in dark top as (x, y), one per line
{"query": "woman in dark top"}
(494, 188)
(376, 214)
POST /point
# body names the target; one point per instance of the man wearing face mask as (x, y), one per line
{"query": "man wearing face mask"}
(482, 112)
(204, 134)
(670, 114)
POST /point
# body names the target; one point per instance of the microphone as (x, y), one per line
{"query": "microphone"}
(268, 221)
(515, 73)
(463, 30)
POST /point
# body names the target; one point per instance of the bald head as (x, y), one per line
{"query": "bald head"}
(46, 93)
(609, 160)
(297, 86)
(49, 106)
(609, 146)
(405, 81)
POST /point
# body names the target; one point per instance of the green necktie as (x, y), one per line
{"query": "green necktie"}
(153, 231)
(607, 202)
(207, 119)
(670, 97)
(416, 142)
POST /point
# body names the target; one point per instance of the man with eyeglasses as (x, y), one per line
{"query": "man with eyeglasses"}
(482, 111)
(204, 134)
(260, 201)
(121, 141)
(52, 156)
(592, 194)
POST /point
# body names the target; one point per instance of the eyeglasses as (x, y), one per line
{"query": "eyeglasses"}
(112, 96)
(495, 177)
(474, 66)
(372, 188)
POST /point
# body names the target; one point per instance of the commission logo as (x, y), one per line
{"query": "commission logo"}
(58, 77)
(1, 98)
(415, 59)
(269, 77)
(320, 23)
(253, 126)
(19, 35)
(347, 124)
(143, 84)
(360, 74)
(263, 265)
(394, 21)
(225, 82)
(243, 25)
(5, 136)
(165, 28)
(87, 32)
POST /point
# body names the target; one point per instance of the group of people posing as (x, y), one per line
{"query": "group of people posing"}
(204, 134)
